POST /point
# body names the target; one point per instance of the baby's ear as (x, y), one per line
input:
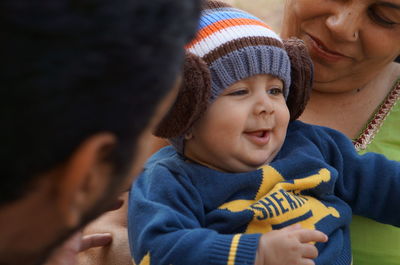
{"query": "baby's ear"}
(302, 71)
(192, 99)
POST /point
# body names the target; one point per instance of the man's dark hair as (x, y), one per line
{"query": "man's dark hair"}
(74, 68)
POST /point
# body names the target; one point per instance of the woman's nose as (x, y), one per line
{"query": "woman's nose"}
(345, 22)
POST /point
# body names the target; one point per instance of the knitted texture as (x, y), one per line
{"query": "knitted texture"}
(236, 45)
(185, 213)
(302, 77)
(232, 45)
(191, 101)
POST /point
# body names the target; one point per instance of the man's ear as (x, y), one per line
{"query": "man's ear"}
(188, 135)
(84, 178)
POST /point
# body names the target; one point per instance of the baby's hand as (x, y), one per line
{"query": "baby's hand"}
(289, 246)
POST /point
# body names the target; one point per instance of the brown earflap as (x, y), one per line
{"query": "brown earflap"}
(192, 99)
(301, 76)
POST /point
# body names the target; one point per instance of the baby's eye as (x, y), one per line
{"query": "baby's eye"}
(275, 91)
(238, 92)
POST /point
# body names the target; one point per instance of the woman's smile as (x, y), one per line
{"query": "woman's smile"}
(319, 49)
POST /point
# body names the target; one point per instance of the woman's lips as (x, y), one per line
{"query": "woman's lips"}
(259, 137)
(319, 49)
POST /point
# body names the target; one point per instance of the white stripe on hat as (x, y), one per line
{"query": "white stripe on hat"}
(225, 35)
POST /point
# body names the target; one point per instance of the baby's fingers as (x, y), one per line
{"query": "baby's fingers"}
(309, 251)
(291, 228)
(307, 235)
(307, 262)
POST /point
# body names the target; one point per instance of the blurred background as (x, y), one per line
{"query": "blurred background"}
(268, 10)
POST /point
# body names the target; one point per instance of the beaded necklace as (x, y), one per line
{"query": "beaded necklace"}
(379, 117)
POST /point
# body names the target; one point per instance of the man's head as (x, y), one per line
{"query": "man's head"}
(233, 58)
(80, 83)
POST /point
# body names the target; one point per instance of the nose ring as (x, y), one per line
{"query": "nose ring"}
(355, 35)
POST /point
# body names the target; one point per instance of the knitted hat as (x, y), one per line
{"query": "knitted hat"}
(236, 45)
(232, 45)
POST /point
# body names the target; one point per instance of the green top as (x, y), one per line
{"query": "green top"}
(374, 243)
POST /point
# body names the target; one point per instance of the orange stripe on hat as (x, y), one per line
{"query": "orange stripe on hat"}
(222, 24)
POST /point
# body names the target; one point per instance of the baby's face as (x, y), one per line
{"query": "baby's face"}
(243, 129)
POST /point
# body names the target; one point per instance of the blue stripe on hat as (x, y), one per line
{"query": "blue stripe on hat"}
(215, 15)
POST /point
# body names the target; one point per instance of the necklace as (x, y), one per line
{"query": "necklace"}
(378, 118)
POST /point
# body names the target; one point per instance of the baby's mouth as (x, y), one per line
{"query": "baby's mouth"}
(259, 137)
(260, 133)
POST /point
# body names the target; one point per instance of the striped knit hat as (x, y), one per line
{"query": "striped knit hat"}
(232, 45)
(236, 45)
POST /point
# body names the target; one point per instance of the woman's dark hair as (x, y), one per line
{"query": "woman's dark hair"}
(74, 68)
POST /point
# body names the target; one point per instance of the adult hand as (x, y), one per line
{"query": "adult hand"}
(67, 253)
(291, 245)
(117, 252)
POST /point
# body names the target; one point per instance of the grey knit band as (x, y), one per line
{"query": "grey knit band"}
(249, 61)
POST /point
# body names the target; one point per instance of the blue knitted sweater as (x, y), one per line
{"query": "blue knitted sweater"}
(184, 213)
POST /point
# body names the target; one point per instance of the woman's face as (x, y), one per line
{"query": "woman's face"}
(350, 41)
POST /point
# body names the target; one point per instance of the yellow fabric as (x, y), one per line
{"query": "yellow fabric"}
(232, 252)
(145, 260)
(269, 186)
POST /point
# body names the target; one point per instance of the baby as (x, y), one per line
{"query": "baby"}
(245, 183)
